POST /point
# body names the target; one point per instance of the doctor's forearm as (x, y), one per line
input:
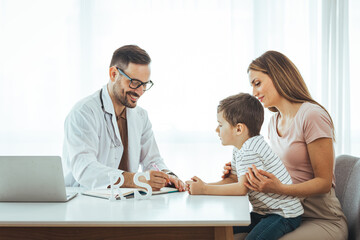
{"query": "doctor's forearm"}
(129, 182)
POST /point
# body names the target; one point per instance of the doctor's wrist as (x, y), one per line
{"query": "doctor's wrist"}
(170, 173)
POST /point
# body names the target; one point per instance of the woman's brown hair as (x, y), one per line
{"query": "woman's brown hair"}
(285, 77)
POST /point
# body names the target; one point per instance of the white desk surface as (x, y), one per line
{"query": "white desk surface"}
(173, 209)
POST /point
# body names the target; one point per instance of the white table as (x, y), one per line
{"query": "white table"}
(173, 215)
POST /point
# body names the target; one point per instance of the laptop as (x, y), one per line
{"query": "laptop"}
(32, 179)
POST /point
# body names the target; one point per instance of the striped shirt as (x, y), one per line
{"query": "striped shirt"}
(256, 151)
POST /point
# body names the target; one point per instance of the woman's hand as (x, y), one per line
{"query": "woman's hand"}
(227, 170)
(196, 186)
(262, 181)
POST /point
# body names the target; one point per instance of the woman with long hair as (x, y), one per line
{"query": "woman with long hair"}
(301, 133)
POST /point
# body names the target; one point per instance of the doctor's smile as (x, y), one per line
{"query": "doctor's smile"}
(133, 96)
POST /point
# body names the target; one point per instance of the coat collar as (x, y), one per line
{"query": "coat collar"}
(108, 105)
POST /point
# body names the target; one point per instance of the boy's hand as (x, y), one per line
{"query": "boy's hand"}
(196, 186)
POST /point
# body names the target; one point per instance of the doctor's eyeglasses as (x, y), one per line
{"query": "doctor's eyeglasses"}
(135, 83)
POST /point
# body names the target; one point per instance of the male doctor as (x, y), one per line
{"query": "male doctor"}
(107, 132)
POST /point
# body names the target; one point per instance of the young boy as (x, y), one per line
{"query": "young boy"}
(240, 118)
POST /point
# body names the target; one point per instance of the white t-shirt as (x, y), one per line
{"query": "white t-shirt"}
(256, 151)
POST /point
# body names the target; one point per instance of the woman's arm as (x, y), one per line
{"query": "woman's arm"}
(321, 155)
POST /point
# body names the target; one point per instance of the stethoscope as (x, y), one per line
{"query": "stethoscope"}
(107, 120)
(101, 101)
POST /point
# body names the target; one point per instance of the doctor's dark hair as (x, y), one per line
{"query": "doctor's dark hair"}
(129, 54)
(243, 108)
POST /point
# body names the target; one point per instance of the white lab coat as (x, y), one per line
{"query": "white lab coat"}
(92, 148)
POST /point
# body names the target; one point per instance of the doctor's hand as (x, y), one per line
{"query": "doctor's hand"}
(157, 180)
(177, 183)
(227, 170)
(196, 186)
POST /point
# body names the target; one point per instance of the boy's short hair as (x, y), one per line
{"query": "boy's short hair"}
(243, 108)
(129, 54)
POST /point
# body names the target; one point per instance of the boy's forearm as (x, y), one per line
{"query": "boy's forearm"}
(231, 179)
(231, 189)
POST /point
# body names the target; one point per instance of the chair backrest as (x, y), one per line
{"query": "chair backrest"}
(347, 179)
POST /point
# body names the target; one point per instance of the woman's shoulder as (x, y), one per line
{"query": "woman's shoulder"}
(312, 112)
(310, 106)
(315, 122)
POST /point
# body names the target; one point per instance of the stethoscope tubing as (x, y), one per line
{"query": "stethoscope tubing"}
(107, 125)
